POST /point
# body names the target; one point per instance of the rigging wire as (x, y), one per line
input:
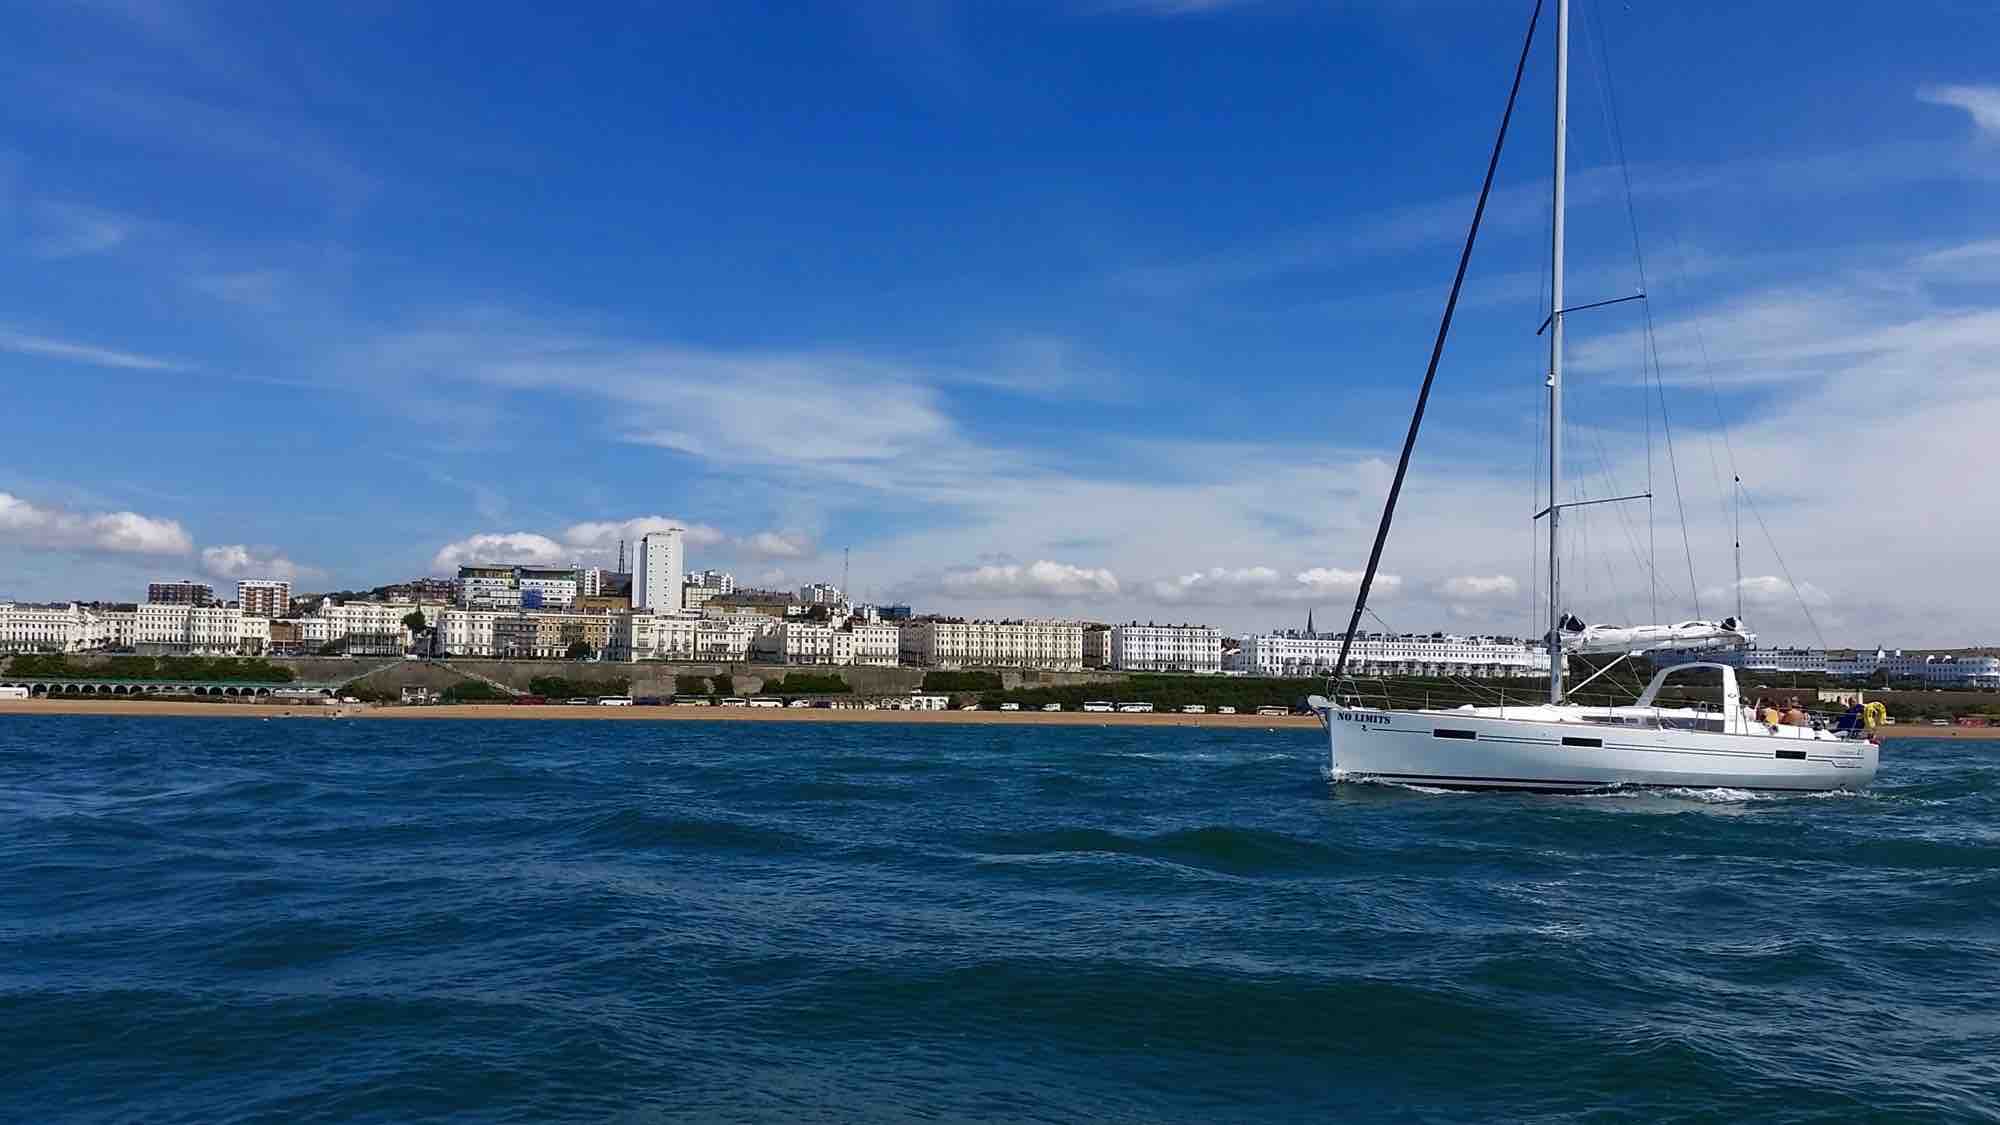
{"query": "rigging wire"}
(1437, 350)
(1608, 109)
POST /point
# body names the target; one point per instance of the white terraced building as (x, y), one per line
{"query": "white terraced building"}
(190, 630)
(1378, 654)
(806, 642)
(1166, 648)
(1055, 646)
(639, 635)
(56, 627)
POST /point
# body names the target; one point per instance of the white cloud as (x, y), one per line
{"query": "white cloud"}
(775, 545)
(26, 524)
(23, 344)
(238, 561)
(514, 548)
(1476, 587)
(1262, 585)
(1982, 102)
(1768, 591)
(604, 535)
(1037, 580)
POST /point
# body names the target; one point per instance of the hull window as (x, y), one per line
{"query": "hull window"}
(1444, 732)
(1792, 755)
(1591, 743)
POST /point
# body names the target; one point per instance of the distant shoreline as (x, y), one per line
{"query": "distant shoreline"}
(503, 711)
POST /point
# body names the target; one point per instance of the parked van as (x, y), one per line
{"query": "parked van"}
(615, 701)
(1098, 705)
(734, 701)
(1194, 709)
(1135, 708)
(766, 701)
(1225, 709)
(1010, 707)
(1051, 706)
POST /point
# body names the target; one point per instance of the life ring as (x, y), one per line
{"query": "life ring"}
(1874, 715)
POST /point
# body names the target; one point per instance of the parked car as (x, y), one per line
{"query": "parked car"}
(1271, 711)
(1194, 709)
(1010, 707)
(800, 703)
(1225, 709)
(579, 701)
(1051, 706)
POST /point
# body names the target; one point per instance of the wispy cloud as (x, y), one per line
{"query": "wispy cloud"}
(38, 527)
(68, 230)
(44, 347)
(1982, 102)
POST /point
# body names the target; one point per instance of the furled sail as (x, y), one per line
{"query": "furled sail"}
(1583, 639)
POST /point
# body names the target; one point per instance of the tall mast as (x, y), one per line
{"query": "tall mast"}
(1556, 355)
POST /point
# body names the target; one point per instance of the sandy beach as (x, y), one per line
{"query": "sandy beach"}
(633, 714)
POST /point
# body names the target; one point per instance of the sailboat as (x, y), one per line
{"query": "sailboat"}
(1560, 746)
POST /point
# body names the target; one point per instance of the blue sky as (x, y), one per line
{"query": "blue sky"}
(1100, 309)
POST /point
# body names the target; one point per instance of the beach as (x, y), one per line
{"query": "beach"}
(186, 708)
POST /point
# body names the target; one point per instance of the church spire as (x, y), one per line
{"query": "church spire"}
(1309, 623)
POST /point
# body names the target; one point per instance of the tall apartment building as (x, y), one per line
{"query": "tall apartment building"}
(183, 592)
(1166, 648)
(264, 597)
(1047, 645)
(488, 587)
(820, 593)
(721, 581)
(546, 588)
(657, 572)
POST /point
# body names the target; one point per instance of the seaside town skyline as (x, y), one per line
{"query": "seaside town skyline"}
(1031, 333)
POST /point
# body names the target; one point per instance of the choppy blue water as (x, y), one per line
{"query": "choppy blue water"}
(221, 921)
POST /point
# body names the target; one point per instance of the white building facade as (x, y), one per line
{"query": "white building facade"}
(1375, 654)
(174, 630)
(1055, 646)
(1166, 648)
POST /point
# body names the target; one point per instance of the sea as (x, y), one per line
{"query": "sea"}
(304, 920)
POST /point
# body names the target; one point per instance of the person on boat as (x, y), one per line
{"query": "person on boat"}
(1851, 720)
(1794, 717)
(1768, 713)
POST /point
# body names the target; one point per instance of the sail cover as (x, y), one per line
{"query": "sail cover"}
(1583, 639)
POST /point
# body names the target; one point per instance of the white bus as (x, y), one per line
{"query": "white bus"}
(1135, 708)
(1098, 705)
(13, 692)
(766, 701)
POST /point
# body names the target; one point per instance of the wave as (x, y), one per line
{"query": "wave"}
(636, 828)
(1219, 848)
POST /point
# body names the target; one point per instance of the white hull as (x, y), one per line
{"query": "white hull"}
(1569, 749)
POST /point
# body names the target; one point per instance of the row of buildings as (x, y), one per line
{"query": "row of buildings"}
(1940, 669)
